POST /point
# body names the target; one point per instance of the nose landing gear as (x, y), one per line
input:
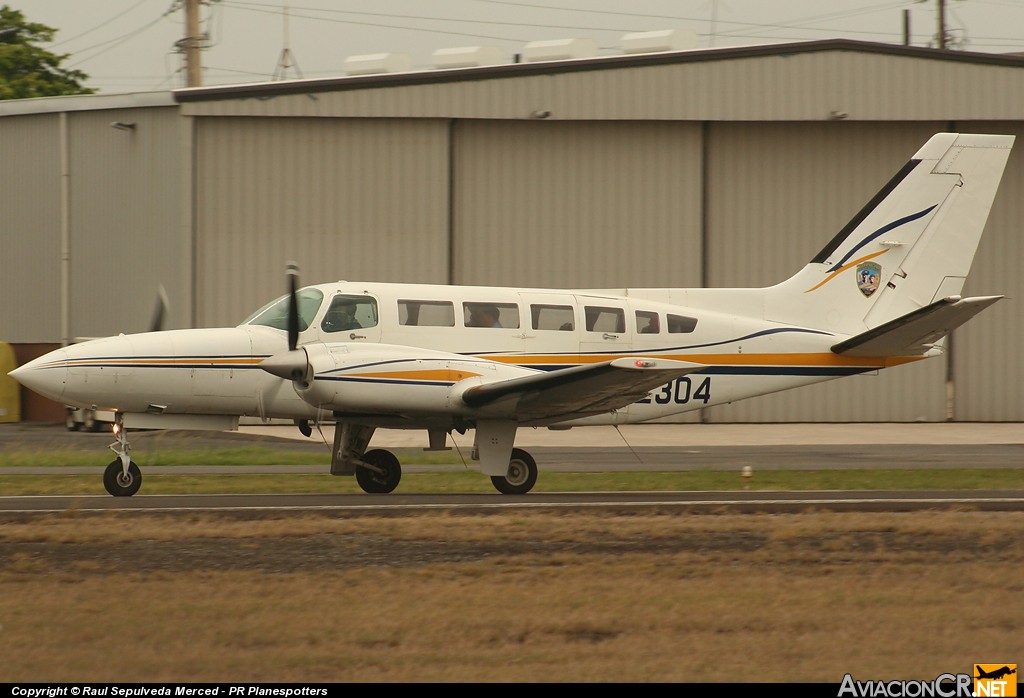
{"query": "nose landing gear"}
(122, 478)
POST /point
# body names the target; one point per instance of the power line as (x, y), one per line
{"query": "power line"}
(117, 41)
(272, 9)
(102, 24)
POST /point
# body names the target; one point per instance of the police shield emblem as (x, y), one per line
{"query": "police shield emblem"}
(868, 276)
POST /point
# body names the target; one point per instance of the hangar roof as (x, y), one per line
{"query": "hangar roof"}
(812, 80)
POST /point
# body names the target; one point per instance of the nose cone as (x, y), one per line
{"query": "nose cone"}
(292, 365)
(46, 375)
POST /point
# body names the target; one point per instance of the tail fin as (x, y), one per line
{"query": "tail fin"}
(909, 247)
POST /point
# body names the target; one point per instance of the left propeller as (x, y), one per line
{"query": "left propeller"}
(294, 364)
(160, 311)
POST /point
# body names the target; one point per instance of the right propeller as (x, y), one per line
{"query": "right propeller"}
(292, 271)
(294, 364)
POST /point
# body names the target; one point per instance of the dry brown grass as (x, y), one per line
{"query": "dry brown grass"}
(562, 597)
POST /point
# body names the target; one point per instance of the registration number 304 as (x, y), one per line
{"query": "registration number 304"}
(681, 391)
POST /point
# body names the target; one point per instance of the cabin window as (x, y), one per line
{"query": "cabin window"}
(275, 313)
(350, 313)
(647, 322)
(678, 324)
(605, 319)
(553, 317)
(482, 314)
(426, 313)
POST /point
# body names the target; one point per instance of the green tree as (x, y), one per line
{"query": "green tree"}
(26, 70)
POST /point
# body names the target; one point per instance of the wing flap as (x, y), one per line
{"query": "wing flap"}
(581, 390)
(916, 332)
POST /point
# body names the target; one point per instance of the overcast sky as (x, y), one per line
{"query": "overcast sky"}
(129, 45)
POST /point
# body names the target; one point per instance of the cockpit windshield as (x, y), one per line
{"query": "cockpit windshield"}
(275, 313)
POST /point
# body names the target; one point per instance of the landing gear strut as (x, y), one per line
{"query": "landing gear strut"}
(377, 471)
(122, 478)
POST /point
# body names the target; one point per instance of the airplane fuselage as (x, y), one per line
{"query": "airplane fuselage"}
(420, 345)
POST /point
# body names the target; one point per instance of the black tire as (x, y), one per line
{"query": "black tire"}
(70, 423)
(117, 483)
(521, 476)
(383, 482)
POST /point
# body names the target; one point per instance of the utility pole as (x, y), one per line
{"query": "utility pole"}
(942, 23)
(191, 44)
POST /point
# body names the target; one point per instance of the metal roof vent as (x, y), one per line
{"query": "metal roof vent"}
(559, 50)
(467, 57)
(377, 63)
(656, 41)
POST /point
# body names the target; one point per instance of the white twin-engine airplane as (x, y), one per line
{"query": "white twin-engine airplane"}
(885, 291)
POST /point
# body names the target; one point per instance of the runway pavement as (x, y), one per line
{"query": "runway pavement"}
(684, 435)
(653, 447)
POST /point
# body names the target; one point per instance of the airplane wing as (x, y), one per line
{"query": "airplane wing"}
(915, 332)
(580, 390)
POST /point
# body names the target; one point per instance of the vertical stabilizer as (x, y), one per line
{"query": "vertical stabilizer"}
(910, 246)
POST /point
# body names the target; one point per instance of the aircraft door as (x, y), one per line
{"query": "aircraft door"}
(551, 329)
(604, 326)
(351, 318)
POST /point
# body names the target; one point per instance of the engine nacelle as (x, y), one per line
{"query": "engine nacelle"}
(393, 378)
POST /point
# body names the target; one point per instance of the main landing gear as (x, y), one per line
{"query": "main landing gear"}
(521, 475)
(378, 471)
(122, 478)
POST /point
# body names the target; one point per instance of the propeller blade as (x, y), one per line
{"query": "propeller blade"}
(160, 311)
(293, 305)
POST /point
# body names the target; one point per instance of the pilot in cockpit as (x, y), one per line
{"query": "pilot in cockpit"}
(340, 316)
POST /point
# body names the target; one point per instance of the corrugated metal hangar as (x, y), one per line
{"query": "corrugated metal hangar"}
(712, 167)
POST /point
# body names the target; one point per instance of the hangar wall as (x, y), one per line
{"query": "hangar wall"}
(95, 213)
(577, 204)
(344, 198)
(30, 199)
(126, 211)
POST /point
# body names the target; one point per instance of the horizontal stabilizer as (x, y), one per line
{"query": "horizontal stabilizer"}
(581, 390)
(916, 332)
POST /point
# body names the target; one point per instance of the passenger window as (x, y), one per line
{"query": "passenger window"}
(426, 313)
(678, 324)
(350, 313)
(647, 322)
(553, 317)
(491, 315)
(603, 319)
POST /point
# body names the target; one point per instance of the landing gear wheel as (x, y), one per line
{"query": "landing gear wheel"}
(383, 482)
(120, 484)
(521, 475)
(69, 421)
